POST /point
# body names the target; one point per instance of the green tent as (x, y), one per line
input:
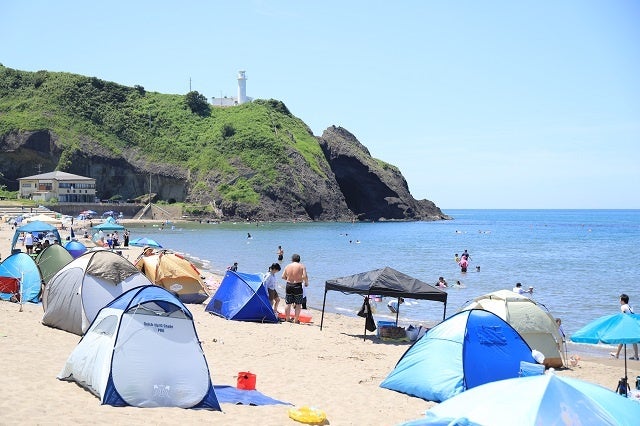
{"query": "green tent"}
(51, 260)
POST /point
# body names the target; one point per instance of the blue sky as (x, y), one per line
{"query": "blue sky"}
(481, 104)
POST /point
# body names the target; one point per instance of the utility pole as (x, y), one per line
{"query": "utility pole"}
(150, 136)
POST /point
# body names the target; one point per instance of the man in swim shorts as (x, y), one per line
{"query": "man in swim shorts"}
(295, 274)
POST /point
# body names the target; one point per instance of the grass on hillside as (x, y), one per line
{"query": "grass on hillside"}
(161, 128)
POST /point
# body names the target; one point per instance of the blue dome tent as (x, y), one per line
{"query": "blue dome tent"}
(466, 350)
(75, 248)
(242, 297)
(21, 267)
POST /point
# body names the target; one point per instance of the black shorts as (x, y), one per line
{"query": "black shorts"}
(294, 294)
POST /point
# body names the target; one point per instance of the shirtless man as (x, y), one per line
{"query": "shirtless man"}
(294, 274)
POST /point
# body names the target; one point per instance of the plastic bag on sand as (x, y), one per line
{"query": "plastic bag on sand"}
(538, 356)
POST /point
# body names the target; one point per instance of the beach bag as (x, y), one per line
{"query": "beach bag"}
(365, 309)
(623, 386)
(365, 312)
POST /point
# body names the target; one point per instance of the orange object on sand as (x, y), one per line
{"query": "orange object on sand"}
(246, 380)
(305, 316)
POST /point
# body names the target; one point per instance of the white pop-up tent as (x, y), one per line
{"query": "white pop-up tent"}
(73, 297)
(142, 350)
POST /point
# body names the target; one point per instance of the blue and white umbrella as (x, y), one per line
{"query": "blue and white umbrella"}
(145, 242)
(545, 399)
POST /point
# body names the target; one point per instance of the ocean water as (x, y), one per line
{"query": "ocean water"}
(578, 261)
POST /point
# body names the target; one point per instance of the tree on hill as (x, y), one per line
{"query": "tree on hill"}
(198, 103)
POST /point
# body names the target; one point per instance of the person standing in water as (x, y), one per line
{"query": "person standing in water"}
(464, 264)
(280, 253)
(295, 274)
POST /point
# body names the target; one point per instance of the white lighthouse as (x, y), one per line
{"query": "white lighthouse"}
(242, 88)
(242, 94)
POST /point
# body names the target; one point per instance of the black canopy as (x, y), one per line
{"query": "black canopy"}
(385, 282)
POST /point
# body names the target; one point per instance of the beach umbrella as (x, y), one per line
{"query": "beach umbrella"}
(43, 218)
(145, 242)
(109, 227)
(611, 329)
(545, 399)
(76, 248)
(88, 212)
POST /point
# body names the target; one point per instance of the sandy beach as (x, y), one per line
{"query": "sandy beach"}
(333, 369)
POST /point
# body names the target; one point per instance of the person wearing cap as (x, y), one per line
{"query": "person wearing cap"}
(146, 251)
(393, 305)
(518, 289)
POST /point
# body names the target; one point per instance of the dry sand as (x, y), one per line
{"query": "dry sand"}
(333, 369)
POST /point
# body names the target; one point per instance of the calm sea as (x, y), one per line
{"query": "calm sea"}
(578, 261)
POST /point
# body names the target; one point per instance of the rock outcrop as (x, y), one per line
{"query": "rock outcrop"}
(373, 190)
(351, 184)
(31, 153)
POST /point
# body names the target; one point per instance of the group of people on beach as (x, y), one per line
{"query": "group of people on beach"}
(296, 278)
(34, 245)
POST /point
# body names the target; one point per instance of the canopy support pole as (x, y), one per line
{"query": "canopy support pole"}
(323, 303)
(625, 367)
(364, 336)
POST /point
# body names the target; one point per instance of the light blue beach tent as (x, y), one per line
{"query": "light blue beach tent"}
(143, 350)
(466, 350)
(22, 267)
(242, 297)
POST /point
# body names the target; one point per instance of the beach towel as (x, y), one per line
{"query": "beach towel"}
(233, 395)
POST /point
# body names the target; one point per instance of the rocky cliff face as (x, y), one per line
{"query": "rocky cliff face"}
(372, 189)
(30, 153)
(351, 184)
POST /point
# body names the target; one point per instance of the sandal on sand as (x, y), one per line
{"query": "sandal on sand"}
(613, 355)
(298, 322)
(634, 358)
